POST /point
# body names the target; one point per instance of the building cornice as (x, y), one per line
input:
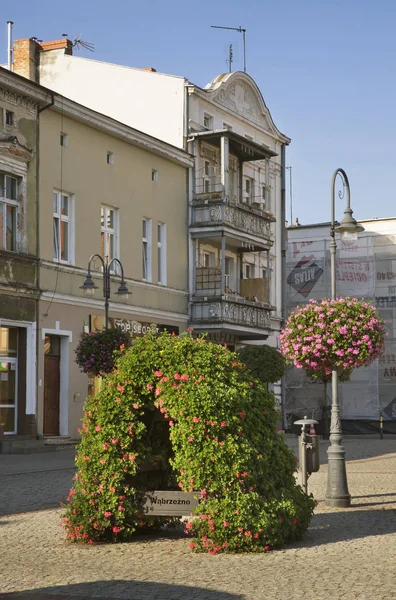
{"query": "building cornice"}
(129, 135)
(73, 270)
(126, 309)
(22, 92)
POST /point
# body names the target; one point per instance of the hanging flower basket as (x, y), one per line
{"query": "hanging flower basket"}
(97, 350)
(342, 334)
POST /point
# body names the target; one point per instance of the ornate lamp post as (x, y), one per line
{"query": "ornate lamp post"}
(337, 493)
(89, 286)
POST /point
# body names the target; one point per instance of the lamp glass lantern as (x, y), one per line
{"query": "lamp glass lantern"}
(89, 286)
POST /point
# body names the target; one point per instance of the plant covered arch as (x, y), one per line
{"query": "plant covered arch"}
(183, 413)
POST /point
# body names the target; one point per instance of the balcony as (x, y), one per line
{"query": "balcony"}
(245, 314)
(237, 217)
(232, 314)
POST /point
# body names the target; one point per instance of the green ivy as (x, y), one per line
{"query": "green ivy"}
(184, 413)
(264, 362)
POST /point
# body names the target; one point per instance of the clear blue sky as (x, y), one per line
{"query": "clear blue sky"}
(326, 71)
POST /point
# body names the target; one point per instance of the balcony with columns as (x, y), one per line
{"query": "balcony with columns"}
(219, 200)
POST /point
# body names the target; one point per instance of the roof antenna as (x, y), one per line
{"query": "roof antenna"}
(230, 57)
(240, 30)
(78, 42)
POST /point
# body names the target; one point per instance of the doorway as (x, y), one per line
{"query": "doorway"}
(52, 346)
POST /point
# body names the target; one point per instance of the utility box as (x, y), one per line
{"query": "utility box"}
(312, 453)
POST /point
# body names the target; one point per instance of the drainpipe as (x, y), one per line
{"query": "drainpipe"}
(39, 111)
(283, 268)
(189, 147)
(9, 45)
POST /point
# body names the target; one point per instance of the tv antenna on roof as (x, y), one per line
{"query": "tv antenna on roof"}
(240, 30)
(230, 57)
(78, 42)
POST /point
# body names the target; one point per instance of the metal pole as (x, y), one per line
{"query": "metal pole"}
(244, 48)
(106, 291)
(9, 47)
(337, 493)
(291, 198)
(303, 465)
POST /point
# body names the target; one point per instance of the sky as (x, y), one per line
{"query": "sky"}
(326, 71)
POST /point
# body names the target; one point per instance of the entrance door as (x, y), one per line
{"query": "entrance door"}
(51, 384)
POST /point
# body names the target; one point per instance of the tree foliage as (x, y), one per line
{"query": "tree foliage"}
(264, 362)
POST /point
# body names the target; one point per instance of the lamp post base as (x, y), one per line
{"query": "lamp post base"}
(337, 493)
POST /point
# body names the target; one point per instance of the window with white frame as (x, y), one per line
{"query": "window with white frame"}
(161, 243)
(248, 189)
(8, 211)
(208, 121)
(62, 226)
(110, 158)
(147, 249)
(248, 271)
(108, 232)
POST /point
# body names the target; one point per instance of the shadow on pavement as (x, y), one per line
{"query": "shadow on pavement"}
(121, 589)
(331, 527)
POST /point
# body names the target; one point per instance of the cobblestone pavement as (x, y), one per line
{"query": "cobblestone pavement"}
(347, 554)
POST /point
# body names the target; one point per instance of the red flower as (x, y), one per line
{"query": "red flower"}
(116, 529)
(295, 521)
(226, 523)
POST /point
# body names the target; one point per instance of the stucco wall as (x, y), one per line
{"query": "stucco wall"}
(150, 102)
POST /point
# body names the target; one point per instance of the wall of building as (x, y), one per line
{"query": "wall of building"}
(365, 269)
(149, 101)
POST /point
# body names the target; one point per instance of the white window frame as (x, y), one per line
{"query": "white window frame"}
(210, 118)
(248, 270)
(161, 245)
(14, 204)
(65, 219)
(147, 261)
(113, 231)
(110, 158)
(154, 175)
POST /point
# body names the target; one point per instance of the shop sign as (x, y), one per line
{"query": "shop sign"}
(135, 328)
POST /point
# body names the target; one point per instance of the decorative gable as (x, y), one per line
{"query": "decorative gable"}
(240, 98)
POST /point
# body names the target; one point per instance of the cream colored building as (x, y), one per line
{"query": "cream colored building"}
(104, 188)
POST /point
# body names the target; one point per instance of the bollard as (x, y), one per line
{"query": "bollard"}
(305, 446)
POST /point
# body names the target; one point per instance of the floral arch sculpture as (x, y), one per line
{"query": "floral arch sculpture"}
(182, 413)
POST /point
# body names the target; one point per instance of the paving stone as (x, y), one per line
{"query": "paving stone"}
(347, 554)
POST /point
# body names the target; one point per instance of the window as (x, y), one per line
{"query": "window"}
(110, 158)
(108, 232)
(227, 127)
(64, 140)
(8, 212)
(248, 271)
(146, 249)
(227, 271)
(62, 226)
(248, 189)
(161, 253)
(154, 175)
(208, 121)
(8, 117)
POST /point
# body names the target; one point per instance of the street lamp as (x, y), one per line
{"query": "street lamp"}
(337, 493)
(89, 286)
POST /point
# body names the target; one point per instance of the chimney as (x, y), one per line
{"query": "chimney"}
(25, 58)
(25, 55)
(57, 45)
(151, 69)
